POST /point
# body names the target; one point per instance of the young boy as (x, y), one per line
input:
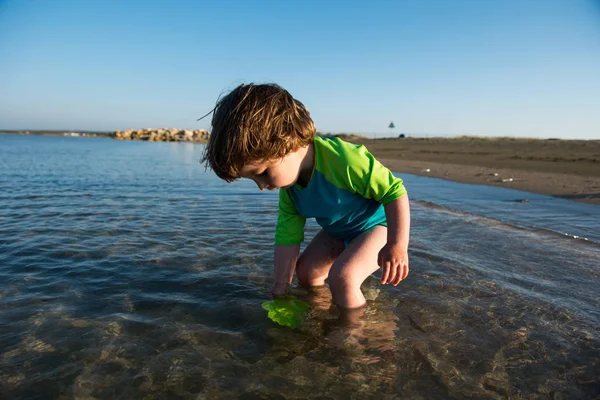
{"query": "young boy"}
(261, 132)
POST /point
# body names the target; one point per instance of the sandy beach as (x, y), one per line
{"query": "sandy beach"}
(565, 168)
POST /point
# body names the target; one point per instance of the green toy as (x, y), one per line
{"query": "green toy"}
(287, 311)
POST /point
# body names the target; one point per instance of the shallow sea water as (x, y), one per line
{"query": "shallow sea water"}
(127, 271)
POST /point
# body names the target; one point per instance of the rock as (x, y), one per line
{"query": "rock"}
(164, 135)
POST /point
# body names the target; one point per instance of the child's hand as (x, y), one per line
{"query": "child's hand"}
(393, 259)
(279, 289)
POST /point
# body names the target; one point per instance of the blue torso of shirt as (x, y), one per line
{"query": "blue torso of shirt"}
(341, 213)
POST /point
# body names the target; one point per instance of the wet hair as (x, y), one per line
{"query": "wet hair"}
(254, 123)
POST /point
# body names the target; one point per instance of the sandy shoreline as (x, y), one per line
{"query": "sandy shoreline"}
(564, 168)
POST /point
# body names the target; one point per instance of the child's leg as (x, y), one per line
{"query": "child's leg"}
(354, 265)
(315, 262)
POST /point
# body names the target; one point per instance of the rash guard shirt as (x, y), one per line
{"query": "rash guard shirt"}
(346, 194)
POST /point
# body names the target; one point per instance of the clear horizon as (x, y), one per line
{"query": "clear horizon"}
(434, 68)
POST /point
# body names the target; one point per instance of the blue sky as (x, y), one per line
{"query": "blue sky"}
(467, 67)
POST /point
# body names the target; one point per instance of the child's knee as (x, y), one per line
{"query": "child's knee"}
(307, 276)
(346, 292)
(341, 280)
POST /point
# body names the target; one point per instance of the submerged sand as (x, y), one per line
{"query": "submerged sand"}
(565, 168)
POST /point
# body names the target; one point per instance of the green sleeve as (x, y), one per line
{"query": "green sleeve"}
(364, 175)
(290, 224)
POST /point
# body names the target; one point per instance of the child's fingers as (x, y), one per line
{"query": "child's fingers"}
(397, 276)
(402, 273)
(393, 273)
(405, 270)
(385, 272)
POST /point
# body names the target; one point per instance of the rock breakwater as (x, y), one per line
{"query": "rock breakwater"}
(164, 135)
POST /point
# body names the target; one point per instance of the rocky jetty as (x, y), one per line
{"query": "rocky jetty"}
(164, 135)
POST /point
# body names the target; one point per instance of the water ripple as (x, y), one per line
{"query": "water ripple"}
(126, 271)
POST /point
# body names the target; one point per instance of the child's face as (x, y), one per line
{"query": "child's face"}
(275, 174)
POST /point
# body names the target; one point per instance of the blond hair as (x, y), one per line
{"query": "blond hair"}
(255, 123)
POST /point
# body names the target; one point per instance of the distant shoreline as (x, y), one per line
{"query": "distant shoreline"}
(563, 168)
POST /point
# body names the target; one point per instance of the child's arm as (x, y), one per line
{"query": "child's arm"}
(393, 257)
(285, 264)
(397, 214)
(288, 236)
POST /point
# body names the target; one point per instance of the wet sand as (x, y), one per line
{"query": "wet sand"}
(564, 168)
